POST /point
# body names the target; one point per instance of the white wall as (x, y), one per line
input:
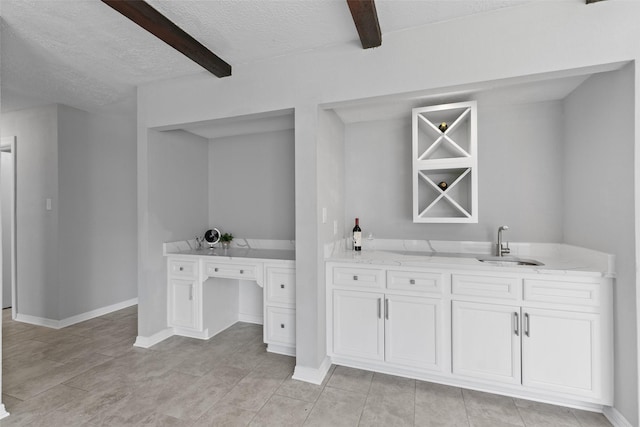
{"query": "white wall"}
(538, 37)
(251, 191)
(599, 203)
(178, 202)
(6, 202)
(37, 229)
(519, 175)
(97, 199)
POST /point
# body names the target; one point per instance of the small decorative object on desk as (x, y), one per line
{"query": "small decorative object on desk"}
(443, 126)
(226, 240)
(443, 185)
(212, 237)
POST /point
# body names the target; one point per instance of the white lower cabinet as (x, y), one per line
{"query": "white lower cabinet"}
(544, 336)
(485, 341)
(358, 327)
(182, 303)
(280, 309)
(398, 329)
(560, 351)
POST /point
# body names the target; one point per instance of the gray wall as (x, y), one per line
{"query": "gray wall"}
(37, 229)
(97, 200)
(519, 176)
(81, 255)
(178, 209)
(599, 203)
(251, 192)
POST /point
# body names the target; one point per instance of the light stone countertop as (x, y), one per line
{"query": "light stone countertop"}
(558, 259)
(261, 250)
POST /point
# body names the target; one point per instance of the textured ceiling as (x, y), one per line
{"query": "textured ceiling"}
(84, 54)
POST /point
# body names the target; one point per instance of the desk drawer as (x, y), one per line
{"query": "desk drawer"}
(418, 281)
(486, 286)
(183, 268)
(281, 285)
(280, 325)
(359, 277)
(231, 271)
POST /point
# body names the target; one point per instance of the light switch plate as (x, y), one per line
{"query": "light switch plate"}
(324, 215)
(48, 204)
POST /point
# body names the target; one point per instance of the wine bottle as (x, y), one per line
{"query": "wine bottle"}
(357, 236)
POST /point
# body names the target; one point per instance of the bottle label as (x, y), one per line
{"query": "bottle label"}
(357, 239)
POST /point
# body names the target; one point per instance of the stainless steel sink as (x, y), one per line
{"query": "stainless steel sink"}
(507, 261)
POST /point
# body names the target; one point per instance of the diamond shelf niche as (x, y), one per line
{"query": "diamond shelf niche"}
(445, 155)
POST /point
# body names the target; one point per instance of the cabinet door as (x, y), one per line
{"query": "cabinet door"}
(358, 326)
(412, 331)
(182, 303)
(486, 341)
(561, 351)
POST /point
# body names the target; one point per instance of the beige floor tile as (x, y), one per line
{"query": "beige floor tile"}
(30, 410)
(221, 415)
(591, 419)
(389, 409)
(389, 384)
(196, 398)
(439, 405)
(351, 379)
(336, 407)
(282, 411)
(484, 407)
(251, 393)
(300, 390)
(24, 349)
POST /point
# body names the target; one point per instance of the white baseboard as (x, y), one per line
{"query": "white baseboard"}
(146, 342)
(58, 324)
(281, 349)
(615, 417)
(250, 318)
(3, 411)
(312, 375)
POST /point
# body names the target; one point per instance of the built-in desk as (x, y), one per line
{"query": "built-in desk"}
(203, 295)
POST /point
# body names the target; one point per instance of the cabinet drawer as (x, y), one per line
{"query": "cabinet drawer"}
(281, 285)
(415, 281)
(562, 292)
(231, 271)
(281, 325)
(359, 277)
(178, 267)
(486, 286)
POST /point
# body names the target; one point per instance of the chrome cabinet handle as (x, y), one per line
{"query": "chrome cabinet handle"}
(516, 329)
(282, 325)
(412, 282)
(526, 324)
(215, 269)
(181, 268)
(379, 308)
(282, 286)
(241, 271)
(355, 277)
(386, 308)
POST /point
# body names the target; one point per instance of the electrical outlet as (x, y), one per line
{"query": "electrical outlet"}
(324, 215)
(335, 227)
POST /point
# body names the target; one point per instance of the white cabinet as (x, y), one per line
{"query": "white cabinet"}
(279, 309)
(182, 304)
(184, 295)
(445, 163)
(398, 325)
(412, 327)
(560, 351)
(358, 327)
(486, 342)
(533, 335)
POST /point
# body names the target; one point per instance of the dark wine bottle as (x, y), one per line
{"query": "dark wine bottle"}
(357, 236)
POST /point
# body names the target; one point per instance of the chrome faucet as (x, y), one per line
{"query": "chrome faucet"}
(502, 248)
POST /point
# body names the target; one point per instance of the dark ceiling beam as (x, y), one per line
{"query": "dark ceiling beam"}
(366, 19)
(593, 1)
(160, 26)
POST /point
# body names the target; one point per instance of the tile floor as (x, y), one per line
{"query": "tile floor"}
(90, 375)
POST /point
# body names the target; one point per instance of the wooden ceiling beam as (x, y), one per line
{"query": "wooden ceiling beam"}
(366, 19)
(160, 26)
